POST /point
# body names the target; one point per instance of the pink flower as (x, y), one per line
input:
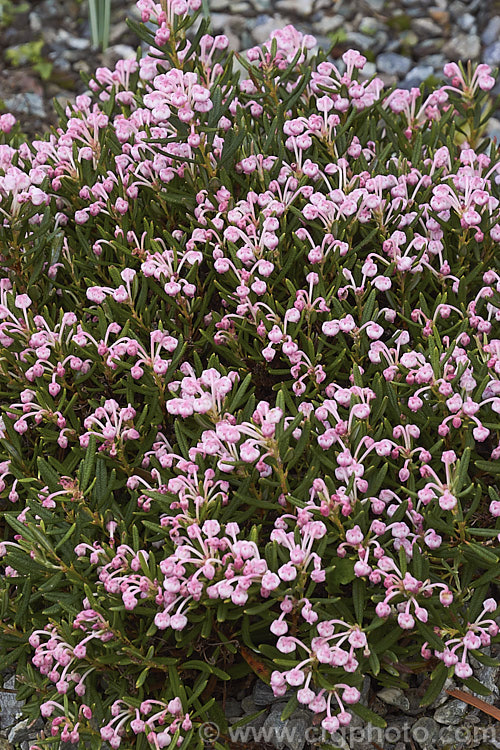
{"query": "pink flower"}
(406, 621)
(22, 301)
(463, 670)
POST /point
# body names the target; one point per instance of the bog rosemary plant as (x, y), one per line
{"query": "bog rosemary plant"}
(250, 377)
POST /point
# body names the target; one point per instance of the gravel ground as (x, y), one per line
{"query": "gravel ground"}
(407, 42)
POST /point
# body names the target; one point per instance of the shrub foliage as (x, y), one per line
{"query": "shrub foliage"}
(250, 385)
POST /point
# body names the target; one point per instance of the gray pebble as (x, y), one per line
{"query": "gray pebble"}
(426, 27)
(451, 712)
(302, 8)
(10, 708)
(467, 22)
(425, 731)
(491, 54)
(331, 23)
(248, 705)
(463, 47)
(394, 697)
(36, 24)
(275, 726)
(393, 64)
(232, 709)
(492, 31)
(359, 41)
(27, 104)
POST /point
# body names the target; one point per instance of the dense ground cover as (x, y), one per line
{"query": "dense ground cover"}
(251, 383)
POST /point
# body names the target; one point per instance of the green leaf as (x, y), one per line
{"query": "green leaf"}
(47, 473)
(358, 596)
(290, 707)
(343, 571)
(476, 686)
(142, 677)
(204, 667)
(430, 636)
(367, 715)
(491, 467)
(87, 466)
(480, 554)
(438, 678)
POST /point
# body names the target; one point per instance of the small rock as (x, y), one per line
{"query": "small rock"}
(369, 26)
(359, 41)
(275, 726)
(457, 9)
(398, 730)
(338, 741)
(380, 42)
(437, 61)
(10, 708)
(491, 737)
(453, 737)
(451, 712)
(463, 47)
(78, 43)
(261, 5)
(36, 24)
(425, 731)
(240, 8)
(216, 5)
(491, 55)
(394, 697)
(442, 17)
(117, 52)
(408, 39)
(297, 726)
(220, 21)
(493, 128)
(467, 22)
(414, 696)
(290, 733)
(25, 731)
(232, 709)
(367, 683)
(302, 8)
(347, 10)
(376, 5)
(393, 64)
(492, 31)
(264, 696)
(417, 75)
(329, 24)
(117, 31)
(26, 104)
(248, 705)
(426, 27)
(369, 70)
(429, 47)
